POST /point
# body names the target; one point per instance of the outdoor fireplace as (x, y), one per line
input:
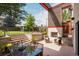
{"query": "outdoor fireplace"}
(54, 34)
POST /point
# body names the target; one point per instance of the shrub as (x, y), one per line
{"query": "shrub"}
(45, 33)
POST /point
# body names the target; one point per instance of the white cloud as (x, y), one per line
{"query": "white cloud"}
(41, 18)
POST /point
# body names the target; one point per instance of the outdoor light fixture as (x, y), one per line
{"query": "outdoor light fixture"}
(72, 22)
(72, 18)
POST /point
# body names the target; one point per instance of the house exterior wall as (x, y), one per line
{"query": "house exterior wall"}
(55, 19)
(76, 16)
(58, 11)
(56, 16)
(52, 23)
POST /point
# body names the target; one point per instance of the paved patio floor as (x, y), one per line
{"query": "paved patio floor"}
(51, 49)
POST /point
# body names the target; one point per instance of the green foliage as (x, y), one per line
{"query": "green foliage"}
(36, 28)
(12, 33)
(2, 45)
(13, 29)
(13, 11)
(1, 33)
(43, 30)
(45, 33)
(9, 22)
(66, 15)
(30, 48)
(30, 23)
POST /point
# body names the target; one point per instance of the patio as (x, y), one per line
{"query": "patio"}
(57, 27)
(51, 49)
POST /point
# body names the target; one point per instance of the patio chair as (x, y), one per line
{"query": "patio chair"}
(60, 41)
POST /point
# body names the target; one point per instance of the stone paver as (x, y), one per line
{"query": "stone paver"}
(51, 49)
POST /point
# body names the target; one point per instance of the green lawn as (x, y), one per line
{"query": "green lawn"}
(13, 33)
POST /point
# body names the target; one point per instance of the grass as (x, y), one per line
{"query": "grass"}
(1, 33)
(11, 33)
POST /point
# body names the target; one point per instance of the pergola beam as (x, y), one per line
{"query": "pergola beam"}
(44, 5)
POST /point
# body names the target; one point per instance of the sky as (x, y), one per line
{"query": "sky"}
(38, 12)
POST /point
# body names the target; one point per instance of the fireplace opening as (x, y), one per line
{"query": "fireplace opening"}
(54, 34)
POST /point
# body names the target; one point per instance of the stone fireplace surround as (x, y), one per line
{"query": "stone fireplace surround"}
(55, 33)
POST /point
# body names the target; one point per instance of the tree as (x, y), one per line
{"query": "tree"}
(66, 15)
(43, 30)
(30, 23)
(8, 22)
(13, 11)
